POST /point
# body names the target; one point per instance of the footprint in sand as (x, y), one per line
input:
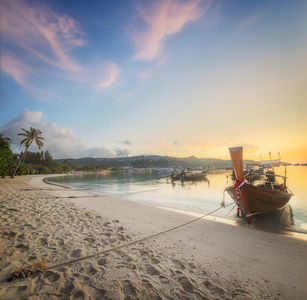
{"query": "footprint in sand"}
(214, 287)
(186, 284)
(78, 295)
(192, 265)
(127, 258)
(60, 242)
(144, 253)
(152, 270)
(32, 257)
(52, 276)
(28, 225)
(164, 279)
(76, 253)
(43, 241)
(67, 289)
(121, 228)
(97, 292)
(129, 289)
(17, 289)
(12, 234)
(102, 261)
(22, 247)
(21, 238)
(241, 294)
(89, 239)
(154, 260)
(121, 237)
(179, 264)
(89, 269)
(39, 285)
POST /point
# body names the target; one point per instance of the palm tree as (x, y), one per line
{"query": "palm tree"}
(4, 141)
(32, 135)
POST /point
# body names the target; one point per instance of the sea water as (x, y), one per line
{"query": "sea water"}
(200, 197)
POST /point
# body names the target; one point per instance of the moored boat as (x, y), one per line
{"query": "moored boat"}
(263, 198)
(190, 174)
(196, 174)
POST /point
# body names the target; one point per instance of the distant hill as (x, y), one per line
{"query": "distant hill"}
(152, 161)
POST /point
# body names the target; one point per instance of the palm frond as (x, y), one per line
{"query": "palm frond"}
(39, 143)
(23, 141)
(6, 139)
(26, 131)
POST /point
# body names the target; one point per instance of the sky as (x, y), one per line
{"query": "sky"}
(165, 77)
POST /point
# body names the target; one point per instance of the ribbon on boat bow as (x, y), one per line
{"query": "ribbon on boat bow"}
(237, 186)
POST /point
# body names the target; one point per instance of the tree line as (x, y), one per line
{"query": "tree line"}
(41, 162)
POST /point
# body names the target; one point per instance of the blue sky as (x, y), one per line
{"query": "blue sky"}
(194, 77)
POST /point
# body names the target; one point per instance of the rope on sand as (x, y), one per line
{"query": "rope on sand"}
(41, 266)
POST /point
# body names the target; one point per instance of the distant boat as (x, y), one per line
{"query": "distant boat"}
(190, 174)
(176, 176)
(263, 198)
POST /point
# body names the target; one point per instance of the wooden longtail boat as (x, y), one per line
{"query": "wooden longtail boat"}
(197, 174)
(190, 174)
(254, 200)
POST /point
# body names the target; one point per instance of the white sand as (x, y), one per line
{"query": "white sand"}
(203, 260)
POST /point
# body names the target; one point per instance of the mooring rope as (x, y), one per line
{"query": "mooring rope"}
(231, 208)
(135, 242)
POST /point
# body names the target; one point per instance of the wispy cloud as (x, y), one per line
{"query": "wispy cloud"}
(163, 18)
(250, 19)
(110, 72)
(15, 68)
(42, 34)
(37, 44)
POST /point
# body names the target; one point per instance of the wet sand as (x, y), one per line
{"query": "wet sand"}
(203, 260)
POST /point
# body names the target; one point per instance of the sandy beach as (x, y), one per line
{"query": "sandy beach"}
(203, 260)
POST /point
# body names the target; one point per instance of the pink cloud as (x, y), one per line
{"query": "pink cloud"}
(21, 73)
(164, 18)
(110, 74)
(40, 33)
(15, 68)
(37, 40)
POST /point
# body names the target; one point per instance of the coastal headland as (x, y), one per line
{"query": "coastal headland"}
(203, 260)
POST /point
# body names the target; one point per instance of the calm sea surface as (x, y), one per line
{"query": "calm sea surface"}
(195, 196)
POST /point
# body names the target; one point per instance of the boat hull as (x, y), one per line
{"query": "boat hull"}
(259, 200)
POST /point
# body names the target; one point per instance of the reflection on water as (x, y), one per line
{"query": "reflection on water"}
(275, 221)
(199, 197)
(297, 183)
(185, 183)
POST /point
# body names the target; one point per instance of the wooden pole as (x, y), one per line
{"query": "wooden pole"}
(236, 154)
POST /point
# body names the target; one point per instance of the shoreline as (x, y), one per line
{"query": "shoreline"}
(204, 258)
(292, 232)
